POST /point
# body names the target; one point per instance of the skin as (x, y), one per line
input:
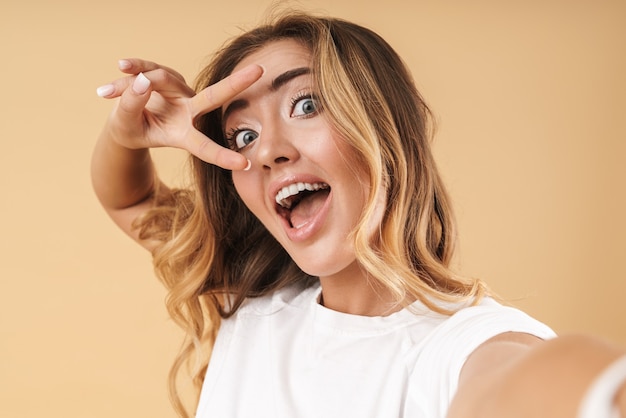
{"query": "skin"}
(122, 172)
(512, 375)
(292, 145)
(515, 377)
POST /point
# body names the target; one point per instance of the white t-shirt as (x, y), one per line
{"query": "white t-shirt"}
(286, 356)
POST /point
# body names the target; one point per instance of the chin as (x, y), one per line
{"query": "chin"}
(324, 269)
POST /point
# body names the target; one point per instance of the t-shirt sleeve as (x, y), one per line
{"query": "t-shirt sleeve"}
(441, 355)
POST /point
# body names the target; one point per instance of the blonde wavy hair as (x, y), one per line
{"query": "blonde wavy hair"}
(214, 253)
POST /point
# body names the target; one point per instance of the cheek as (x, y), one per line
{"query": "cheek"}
(360, 194)
(248, 191)
(242, 187)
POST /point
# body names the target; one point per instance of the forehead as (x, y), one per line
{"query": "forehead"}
(277, 56)
(282, 61)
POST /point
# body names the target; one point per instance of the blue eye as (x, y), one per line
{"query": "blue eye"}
(304, 106)
(243, 138)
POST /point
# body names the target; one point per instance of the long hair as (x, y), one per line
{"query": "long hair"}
(215, 253)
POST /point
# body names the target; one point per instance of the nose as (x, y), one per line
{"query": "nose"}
(276, 146)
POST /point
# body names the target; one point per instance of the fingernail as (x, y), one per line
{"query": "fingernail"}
(124, 64)
(105, 90)
(248, 166)
(141, 84)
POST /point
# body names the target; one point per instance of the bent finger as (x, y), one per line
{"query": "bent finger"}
(168, 85)
(217, 94)
(115, 88)
(163, 82)
(137, 65)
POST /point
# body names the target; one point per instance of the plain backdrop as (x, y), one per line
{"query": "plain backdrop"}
(530, 103)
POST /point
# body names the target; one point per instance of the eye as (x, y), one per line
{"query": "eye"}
(242, 138)
(304, 106)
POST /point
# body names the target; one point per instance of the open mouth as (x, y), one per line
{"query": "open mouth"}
(299, 202)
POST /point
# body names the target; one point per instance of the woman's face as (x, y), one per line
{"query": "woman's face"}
(303, 184)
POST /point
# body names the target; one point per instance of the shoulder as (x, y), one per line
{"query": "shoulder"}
(442, 354)
(471, 326)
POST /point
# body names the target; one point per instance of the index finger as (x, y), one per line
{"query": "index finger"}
(217, 94)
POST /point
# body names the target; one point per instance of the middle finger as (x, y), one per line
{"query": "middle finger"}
(217, 94)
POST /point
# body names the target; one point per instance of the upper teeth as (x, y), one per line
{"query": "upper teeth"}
(282, 197)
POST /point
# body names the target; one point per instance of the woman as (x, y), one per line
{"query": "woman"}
(311, 257)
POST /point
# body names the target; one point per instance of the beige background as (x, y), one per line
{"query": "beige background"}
(530, 99)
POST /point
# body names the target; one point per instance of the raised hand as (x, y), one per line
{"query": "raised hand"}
(156, 108)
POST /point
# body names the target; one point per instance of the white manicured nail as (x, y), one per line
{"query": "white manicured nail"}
(248, 166)
(124, 64)
(105, 90)
(141, 84)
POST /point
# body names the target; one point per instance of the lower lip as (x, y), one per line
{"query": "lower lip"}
(308, 230)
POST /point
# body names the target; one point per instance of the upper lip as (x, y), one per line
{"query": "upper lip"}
(286, 181)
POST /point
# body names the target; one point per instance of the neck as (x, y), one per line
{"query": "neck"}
(354, 292)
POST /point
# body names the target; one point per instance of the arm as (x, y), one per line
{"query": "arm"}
(516, 375)
(125, 181)
(156, 108)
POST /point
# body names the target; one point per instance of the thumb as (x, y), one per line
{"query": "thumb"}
(134, 99)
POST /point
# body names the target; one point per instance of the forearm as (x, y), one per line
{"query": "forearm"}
(549, 380)
(121, 177)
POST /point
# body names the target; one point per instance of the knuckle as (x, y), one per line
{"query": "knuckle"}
(159, 75)
(209, 96)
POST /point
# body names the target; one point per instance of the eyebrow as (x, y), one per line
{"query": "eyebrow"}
(277, 83)
(287, 76)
